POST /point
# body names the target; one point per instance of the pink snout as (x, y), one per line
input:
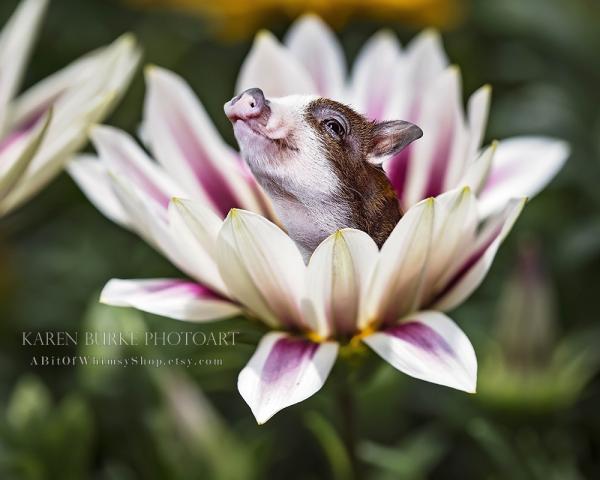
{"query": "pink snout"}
(247, 105)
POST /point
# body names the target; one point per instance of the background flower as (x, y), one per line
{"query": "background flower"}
(45, 125)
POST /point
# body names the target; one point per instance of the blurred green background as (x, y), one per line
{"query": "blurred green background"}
(534, 322)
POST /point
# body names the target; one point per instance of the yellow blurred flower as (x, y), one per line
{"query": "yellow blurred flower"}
(243, 17)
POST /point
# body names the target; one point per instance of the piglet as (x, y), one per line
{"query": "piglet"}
(320, 163)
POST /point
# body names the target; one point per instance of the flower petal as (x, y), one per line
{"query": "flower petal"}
(429, 346)
(372, 82)
(151, 222)
(522, 166)
(54, 152)
(194, 228)
(439, 156)
(92, 177)
(262, 268)
(107, 70)
(337, 276)
(396, 283)
(477, 113)
(185, 141)
(453, 232)
(478, 171)
(313, 43)
(80, 95)
(425, 58)
(284, 371)
(470, 269)
(16, 155)
(272, 67)
(16, 42)
(173, 298)
(124, 157)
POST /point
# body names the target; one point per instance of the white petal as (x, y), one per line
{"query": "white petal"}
(440, 155)
(313, 43)
(16, 42)
(429, 346)
(92, 177)
(169, 297)
(396, 283)
(187, 144)
(478, 171)
(151, 222)
(262, 268)
(420, 64)
(55, 150)
(78, 100)
(124, 157)
(272, 67)
(425, 58)
(194, 228)
(337, 276)
(373, 78)
(522, 166)
(284, 371)
(16, 154)
(469, 270)
(104, 73)
(477, 113)
(454, 231)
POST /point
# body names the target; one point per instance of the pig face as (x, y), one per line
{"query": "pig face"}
(319, 161)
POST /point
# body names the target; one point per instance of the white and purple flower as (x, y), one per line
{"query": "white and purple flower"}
(350, 292)
(44, 126)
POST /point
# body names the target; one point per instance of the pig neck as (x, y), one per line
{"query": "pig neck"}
(363, 200)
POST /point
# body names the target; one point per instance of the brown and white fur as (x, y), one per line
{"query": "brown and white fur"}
(319, 161)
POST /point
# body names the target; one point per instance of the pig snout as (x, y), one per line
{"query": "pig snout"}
(247, 105)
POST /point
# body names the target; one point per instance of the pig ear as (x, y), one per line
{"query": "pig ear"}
(390, 137)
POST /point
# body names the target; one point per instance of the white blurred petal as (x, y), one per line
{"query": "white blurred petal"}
(16, 154)
(284, 371)
(16, 42)
(92, 177)
(315, 46)
(56, 149)
(372, 81)
(272, 67)
(522, 166)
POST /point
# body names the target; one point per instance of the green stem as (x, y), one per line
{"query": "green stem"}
(347, 408)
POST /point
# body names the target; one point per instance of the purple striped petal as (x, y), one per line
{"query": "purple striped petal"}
(283, 371)
(22, 130)
(174, 298)
(185, 141)
(123, 156)
(431, 347)
(468, 271)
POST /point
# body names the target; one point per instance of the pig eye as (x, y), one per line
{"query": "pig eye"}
(334, 128)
